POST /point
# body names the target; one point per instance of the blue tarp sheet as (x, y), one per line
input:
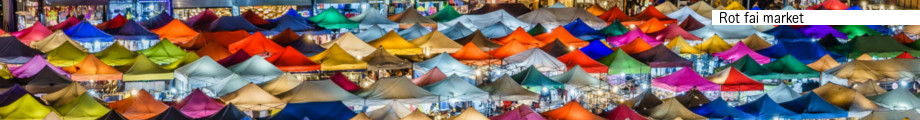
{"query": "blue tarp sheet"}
(580, 29)
(812, 106)
(86, 32)
(315, 111)
(596, 49)
(764, 108)
(805, 51)
(719, 109)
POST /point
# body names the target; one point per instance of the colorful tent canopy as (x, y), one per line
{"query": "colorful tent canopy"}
(291, 60)
(436, 42)
(738, 51)
(845, 98)
(91, 68)
(505, 88)
(253, 18)
(559, 33)
(555, 48)
(157, 21)
(413, 32)
(470, 54)
(520, 36)
(532, 79)
(373, 17)
(881, 46)
(895, 99)
(691, 24)
(410, 17)
(232, 23)
(257, 44)
(336, 58)
(391, 111)
(726, 31)
(790, 67)
(636, 46)
(579, 79)
(733, 80)
(86, 32)
(55, 40)
(830, 5)
(714, 44)
(68, 23)
(813, 107)
(201, 21)
(578, 58)
(521, 112)
(432, 76)
(445, 14)
(65, 95)
(661, 56)
(470, 114)
(537, 30)
(164, 52)
(382, 92)
(579, 29)
(853, 31)
(666, 8)
(224, 38)
(652, 25)
(671, 109)
(327, 90)
(251, 97)
(692, 98)
(765, 108)
(133, 31)
(315, 110)
(892, 114)
(280, 84)
(285, 37)
(395, 44)
(34, 33)
(306, 46)
(144, 69)
(621, 63)
(684, 80)
(686, 13)
(903, 38)
(204, 72)
(33, 67)
(171, 113)
(496, 30)
(719, 109)
(614, 14)
(383, 60)
(12, 94)
(869, 89)
(214, 51)
(234, 58)
(446, 63)
(649, 13)
(25, 107)
(457, 31)
(199, 105)
(682, 46)
(508, 49)
(229, 112)
(480, 40)
(754, 42)
(480, 21)
(632, 35)
(371, 33)
(65, 55)
(818, 31)
(116, 55)
(82, 107)
(596, 49)
(112, 115)
(751, 68)
(515, 9)
(256, 69)
(343, 82)
(294, 23)
(552, 17)
(785, 32)
(176, 31)
(622, 112)
(672, 31)
(353, 45)
(456, 88)
(534, 58)
(140, 105)
(571, 111)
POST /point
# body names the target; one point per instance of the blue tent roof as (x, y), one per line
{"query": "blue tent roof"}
(293, 13)
(785, 32)
(232, 23)
(756, 8)
(855, 7)
(719, 109)
(307, 48)
(133, 31)
(297, 24)
(457, 31)
(371, 33)
(812, 106)
(159, 21)
(881, 29)
(496, 30)
(596, 49)
(765, 109)
(805, 51)
(447, 64)
(335, 110)
(579, 28)
(86, 32)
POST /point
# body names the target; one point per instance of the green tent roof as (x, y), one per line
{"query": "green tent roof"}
(534, 80)
(621, 63)
(144, 69)
(790, 68)
(189, 58)
(116, 55)
(445, 14)
(751, 68)
(66, 55)
(580, 79)
(853, 31)
(84, 107)
(332, 19)
(536, 30)
(879, 46)
(164, 52)
(26, 107)
(614, 29)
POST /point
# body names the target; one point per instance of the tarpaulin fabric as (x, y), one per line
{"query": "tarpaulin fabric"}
(456, 88)
(869, 88)
(684, 80)
(171, 113)
(571, 111)
(522, 112)
(630, 36)
(256, 69)
(905, 55)
(534, 80)
(228, 112)
(596, 10)
(563, 35)
(735, 5)
(614, 14)
(202, 20)
(751, 68)
(12, 94)
(214, 51)
(496, 30)
(291, 60)
(853, 31)
(819, 31)
(480, 21)
(765, 108)
(577, 78)
(636, 46)
(226, 38)
(65, 55)
(867, 70)
(158, 21)
(661, 56)
(579, 29)
(134, 31)
(651, 25)
(34, 33)
(692, 98)
(189, 58)
(666, 8)
(470, 54)
(536, 58)
(672, 109)
(395, 44)
(328, 91)
(811, 106)
(621, 63)
(470, 114)
(738, 51)
(537, 30)
(373, 17)
(445, 14)
(789, 67)
(336, 58)
(413, 32)
(436, 41)
(383, 60)
(520, 36)
(83, 107)
(446, 63)
(256, 44)
(622, 112)
(144, 69)
(756, 43)
(66, 24)
(509, 49)
(691, 24)
(457, 31)
(733, 80)
(54, 40)
(176, 31)
(596, 49)
(515, 9)
(843, 97)
(682, 47)
(113, 23)
(480, 40)
(903, 38)
(254, 18)
(726, 31)
(91, 68)
(280, 84)
(416, 115)
(234, 58)
(397, 89)
(673, 31)
(785, 32)
(410, 17)
(879, 46)
(390, 111)
(36, 64)
(371, 33)
(719, 109)
(46, 81)
(644, 102)
(315, 111)
(66, 95)
(164, 52)
(199, 105)
(86, 32)
(25, 107)
(649, 13)
(578, 58)
(286, 37)
(505, 88)
(139, 106)
(432, 76)
(251, 97)
(353, 45)
(895, 99)
(232, 23)
(555, 48)
(715, 44)
(112, 115)
(686, 13)
(116, 55)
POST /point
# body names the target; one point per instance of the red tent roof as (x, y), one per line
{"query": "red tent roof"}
(70, 22)
(253, 18)
(622, 112)
(291, 60)
(672, 31)
(432, 76)
(34, 33)
(649, 13)
(902, 38)
(116, 22)
(509, 49)
(580, 58)
(905, 55)
(830, 5)
(214, 50)
(613, 14)
(339, 79)
(571, 111)
(559, 33)
(520, 35)
(199, 105)
(139, 106)
(733, 80)
(257, 44)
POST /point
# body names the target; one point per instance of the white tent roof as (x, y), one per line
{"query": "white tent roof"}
(351, 44)
(682, 13)
(399, 89)
(256, 69)
(781, 93)
(392, 111)
(554, 17)
(728, 31)
(456, 31)
(371, 33)
(320, 91)
(447, 64)
(578, 78)
(280, 84)
(480, 21)
(203, 72)
(371, 17)
(496, 30)
(505, 88)
(454, 87)
(897, 99)
(534, 57)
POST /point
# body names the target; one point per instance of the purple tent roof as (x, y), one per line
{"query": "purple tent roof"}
(202, 20)
(819, 31)
(199, 105)
(738, 51)
(630, 36)
(523, 112)
(673, 30)
(33, 67)
(14, 51)
(683, 80)
(133, 31)
(12, 95)
(234, 59)
(159, 21)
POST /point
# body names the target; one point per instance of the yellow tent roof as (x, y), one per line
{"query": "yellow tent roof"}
(54, 40)
(83, 107)
(825, 63)
(251, 97)
(713, 45)
(844, 97)
(596, 10)
(189, 58)
(335, 58)
(436, 42)
(416, 115)
(65, 95)
(24, 108)
(470, 114)
(144, 69)
(735, 5)
(395, 44)
(65, 55)
(683, 46)
(354, 45)
(864, 56)
(360, 116)
(281, 84)
(755, 42)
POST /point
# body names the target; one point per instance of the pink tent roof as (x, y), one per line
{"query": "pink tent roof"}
(434, 75)
(673, 30)
(522, 112)
(738, 51)
(622, 112)
(34, 33)
(199, 105)
(70, 22)
(630, 36)
(339, 79)
(684, 80)
(33, 67)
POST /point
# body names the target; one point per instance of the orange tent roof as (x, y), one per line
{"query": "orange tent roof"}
(432, 76)
(733, 80)
(214, 50)
(509, 49)
(226, 38)
(139, 106)
(902, 38)
(470, 52)
(636, 46)
(581, 59)
(596, 10)
(613, 14)
(652, 25)
(256, 44)
(175, 31)
(559, 33)
(286, 37)
(571, 111)
(651, 12)
(521, 36)
(91, 68)
(291, 60)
